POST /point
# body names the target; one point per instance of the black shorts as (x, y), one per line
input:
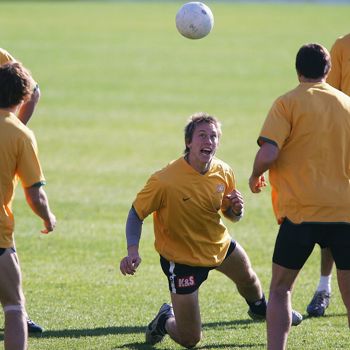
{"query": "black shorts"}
(295, 243)
(185, 279)
(3, 250)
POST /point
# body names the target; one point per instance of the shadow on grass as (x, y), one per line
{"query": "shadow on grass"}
(92, 332)
(103, 331)
(143, 346)
(227, 323)
(307, 317)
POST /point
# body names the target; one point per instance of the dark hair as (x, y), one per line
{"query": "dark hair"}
(15, 84)
(313, 61)
(194, 120)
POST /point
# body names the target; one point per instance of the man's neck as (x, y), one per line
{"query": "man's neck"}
(8, 110)
(303, 79)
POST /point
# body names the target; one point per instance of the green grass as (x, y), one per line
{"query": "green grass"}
(118, 83)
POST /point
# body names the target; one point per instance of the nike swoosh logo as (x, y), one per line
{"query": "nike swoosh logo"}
(186, 199)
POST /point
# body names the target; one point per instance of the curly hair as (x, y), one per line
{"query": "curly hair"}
(15, 84)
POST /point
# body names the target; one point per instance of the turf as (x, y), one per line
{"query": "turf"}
(118, 83)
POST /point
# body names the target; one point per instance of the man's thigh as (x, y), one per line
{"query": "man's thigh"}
(10, 279)
(237, 265)
(294, 244)
(338, 238)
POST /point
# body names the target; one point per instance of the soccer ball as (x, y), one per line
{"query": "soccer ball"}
(194, 20)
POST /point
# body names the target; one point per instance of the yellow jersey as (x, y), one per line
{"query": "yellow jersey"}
(185, 205)
(18, 159)
(310, 179)
(5, 57)
(339, 76)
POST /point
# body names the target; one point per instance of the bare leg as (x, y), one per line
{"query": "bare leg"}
(279, 308)
(12, 300)
(344, 286)
(15, 330)
(186, 328)
(238, 268)
(326, 262)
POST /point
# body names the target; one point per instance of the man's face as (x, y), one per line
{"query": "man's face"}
(205, 141)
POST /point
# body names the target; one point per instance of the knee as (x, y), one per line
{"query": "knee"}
(190, 341)
(249, 279)
(280, 291)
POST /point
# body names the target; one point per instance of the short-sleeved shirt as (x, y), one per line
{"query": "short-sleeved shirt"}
(339, 76)
(185, 205)
(310, 179)
(18, 159)
(5, 57)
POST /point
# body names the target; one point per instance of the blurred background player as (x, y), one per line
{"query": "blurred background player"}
(18, 160)
(185, 198)
(304, 143)
(339, 77)
(24, 113)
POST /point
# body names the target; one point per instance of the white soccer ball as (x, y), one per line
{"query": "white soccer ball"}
(194, 20)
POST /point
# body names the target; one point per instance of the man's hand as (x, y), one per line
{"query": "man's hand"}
(257, 183)
(49, 224)
(130, 263)
(236, 202)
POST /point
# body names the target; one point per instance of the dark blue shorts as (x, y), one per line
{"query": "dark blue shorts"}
(185, 279)
(3, 250)
(295, 243)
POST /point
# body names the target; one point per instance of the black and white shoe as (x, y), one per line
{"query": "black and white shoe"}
(33, 327)
(318, 304)
(155, 331)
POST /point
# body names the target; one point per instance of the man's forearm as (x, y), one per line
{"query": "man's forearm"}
(265, 157)
(38, 202)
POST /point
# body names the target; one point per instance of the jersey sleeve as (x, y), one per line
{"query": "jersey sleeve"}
(230, 181)
(28, 166)
(334, 76)
(150, 198)
(5, 57)
(277, 126)
(230, 186)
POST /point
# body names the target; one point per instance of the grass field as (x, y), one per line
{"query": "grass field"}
(118, 83)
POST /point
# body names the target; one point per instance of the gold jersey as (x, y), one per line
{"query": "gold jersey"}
(5, 57)
(339, 76)
(310, 180)
(185, 205)
(18, 159)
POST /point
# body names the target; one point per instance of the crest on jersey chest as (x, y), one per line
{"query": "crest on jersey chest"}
(220, 188)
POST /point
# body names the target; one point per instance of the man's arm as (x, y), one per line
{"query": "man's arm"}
(264, 158)
(37, 199)
(129, 264)
(26, 110)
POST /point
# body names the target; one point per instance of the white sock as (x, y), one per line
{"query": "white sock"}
(325, 284)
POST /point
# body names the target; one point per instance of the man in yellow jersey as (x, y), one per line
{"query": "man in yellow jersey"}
(18, 160)
(27, 108)
(339, 77)
(24, 113)
(185, 198)
(304, 143)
